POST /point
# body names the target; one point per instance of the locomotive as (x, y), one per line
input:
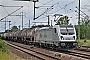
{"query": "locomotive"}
(54, 37)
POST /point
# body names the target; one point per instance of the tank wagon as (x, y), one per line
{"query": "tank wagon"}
(54, 37)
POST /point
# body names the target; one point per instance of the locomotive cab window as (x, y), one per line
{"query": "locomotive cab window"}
(70, 31)
(67, 31)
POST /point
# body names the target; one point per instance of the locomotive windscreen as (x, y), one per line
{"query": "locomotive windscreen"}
(66, 29)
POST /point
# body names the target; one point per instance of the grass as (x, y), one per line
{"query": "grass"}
(3, 46)
(9, 56)
(85, 42)
(5, 54)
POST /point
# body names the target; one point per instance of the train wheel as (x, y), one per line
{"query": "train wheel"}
(53, 47)
(35, 44)
(38, 45)
(48, 46)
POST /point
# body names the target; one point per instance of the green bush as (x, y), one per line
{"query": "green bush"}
(3, 46)
(80, 42)
(85, 40)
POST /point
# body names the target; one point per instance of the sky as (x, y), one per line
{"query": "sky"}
(63, 7)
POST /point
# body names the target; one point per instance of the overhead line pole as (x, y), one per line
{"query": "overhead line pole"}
(29, 23)
(34, 5)
(22, 14)
(79, 21)
(34, 9)
(5, 24)
(9, 24)
(22, 19)
(48, 20)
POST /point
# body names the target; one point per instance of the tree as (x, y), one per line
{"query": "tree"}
(14, 28)
(81, 31)
(84, 28)
(63, 20)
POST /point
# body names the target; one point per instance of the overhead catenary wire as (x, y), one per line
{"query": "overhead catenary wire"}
(39, 6)
(87, 3)
(58, 8)
(19, 17)
(45, 3)
(86, 7)
(6, 10)
(46, 10)
(83, 12)
(64, 6)
(11, 13)
(54, 5)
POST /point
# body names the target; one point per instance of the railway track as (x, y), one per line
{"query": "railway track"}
(78, 54)
(83, 52)
(86, 46)
(83, 49)
(39, 55)
(49, 56)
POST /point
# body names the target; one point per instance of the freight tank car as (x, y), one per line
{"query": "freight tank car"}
(56, 37)
(25, 36)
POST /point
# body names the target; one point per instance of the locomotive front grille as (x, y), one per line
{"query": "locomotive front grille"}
(67, 45)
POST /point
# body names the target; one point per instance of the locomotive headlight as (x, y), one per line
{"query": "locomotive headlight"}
(62, 38)
(73, 37)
